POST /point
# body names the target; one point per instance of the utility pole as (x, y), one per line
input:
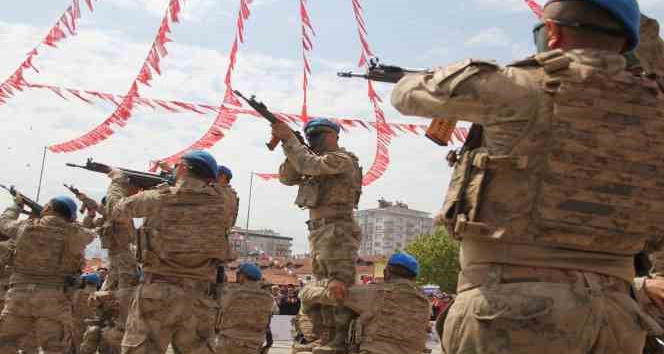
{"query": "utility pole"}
(251, 187)
(41, 174)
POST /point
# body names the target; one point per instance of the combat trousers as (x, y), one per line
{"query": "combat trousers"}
(589, 314)
(334, 245)
(122, 271)
(230, 346)
(29, 309)
(163, 313)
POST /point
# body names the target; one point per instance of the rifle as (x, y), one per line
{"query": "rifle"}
(143, 180)
(86, 202)
(35, 208)
(440, 130)
(383, 73)
(261, 108)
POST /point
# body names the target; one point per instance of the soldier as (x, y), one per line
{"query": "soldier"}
(82, 310)
(559, 196)
(48, 249)
(330, 181)
(181, 244)
(393, 316)
(106, 328)
(245, 313)
(116, 236)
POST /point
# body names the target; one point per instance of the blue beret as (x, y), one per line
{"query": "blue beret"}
(204, 161)
(625, 11)
(91, 278)
(321, 122)
(223, 170)
(68, 204)
(405, 260)
(251, 270)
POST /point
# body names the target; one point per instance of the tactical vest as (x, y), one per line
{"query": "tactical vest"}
(191, 226)
(332, 190)
(246, 318)
(401, 319)
(115, 236)
(43, 254)
(586, 175)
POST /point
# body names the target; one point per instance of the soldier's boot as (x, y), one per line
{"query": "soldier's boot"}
(339, 343)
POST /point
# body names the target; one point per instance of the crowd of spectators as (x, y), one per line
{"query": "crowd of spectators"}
(286, 299)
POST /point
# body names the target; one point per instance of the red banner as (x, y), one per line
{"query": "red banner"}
(123, 112)
(307, 45)
(225, 118)
(68, 20)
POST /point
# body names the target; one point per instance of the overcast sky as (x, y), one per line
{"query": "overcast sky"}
(113, 41)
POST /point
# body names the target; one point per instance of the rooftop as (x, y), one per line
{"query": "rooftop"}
(260, 233)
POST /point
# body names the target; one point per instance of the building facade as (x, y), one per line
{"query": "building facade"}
(258, 242)
(390, 227)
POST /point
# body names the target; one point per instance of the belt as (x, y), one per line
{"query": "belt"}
(487, 275)
(152, 278)
(314, 224)
(34, 286)
(330, 211)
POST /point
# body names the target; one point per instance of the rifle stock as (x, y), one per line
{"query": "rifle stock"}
(440, 130)
(144, 180)
(35, 208)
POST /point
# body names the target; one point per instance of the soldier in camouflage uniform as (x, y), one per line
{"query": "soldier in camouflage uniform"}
(561, 193)
(245, 313)
(393, 316)
(48, 251)
(329, 179)
(116, 236)
(106, 328)
(81, 308)
(181, 244)
(231, 200)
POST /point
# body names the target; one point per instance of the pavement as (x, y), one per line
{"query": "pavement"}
(283, 347)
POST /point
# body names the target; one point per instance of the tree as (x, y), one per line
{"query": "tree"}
(438, 255)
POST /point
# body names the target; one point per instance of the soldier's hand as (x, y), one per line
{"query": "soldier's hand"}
(654, 288)
(337, 290)
(281, 131)
(164, 166)
(115, 173)
(18, 199)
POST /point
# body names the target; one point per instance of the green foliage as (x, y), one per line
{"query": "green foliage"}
(438, 255)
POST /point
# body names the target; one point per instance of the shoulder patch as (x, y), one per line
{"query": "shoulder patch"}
(456, 74)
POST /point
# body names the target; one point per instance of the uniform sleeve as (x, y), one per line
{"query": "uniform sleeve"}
(83, 238)
(307, 163)
(359, 298)
(120, 206)
(474, 91)
(9, 223)
(88, 222)
(288, 175)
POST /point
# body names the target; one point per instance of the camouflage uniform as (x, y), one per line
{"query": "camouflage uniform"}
(393, 316)
(106, 329)
(180, 245)
(329, 186)
(245, 314)
(553, 205)
(48, 251)
(82, 312)
(650, 51)
(232, 203)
